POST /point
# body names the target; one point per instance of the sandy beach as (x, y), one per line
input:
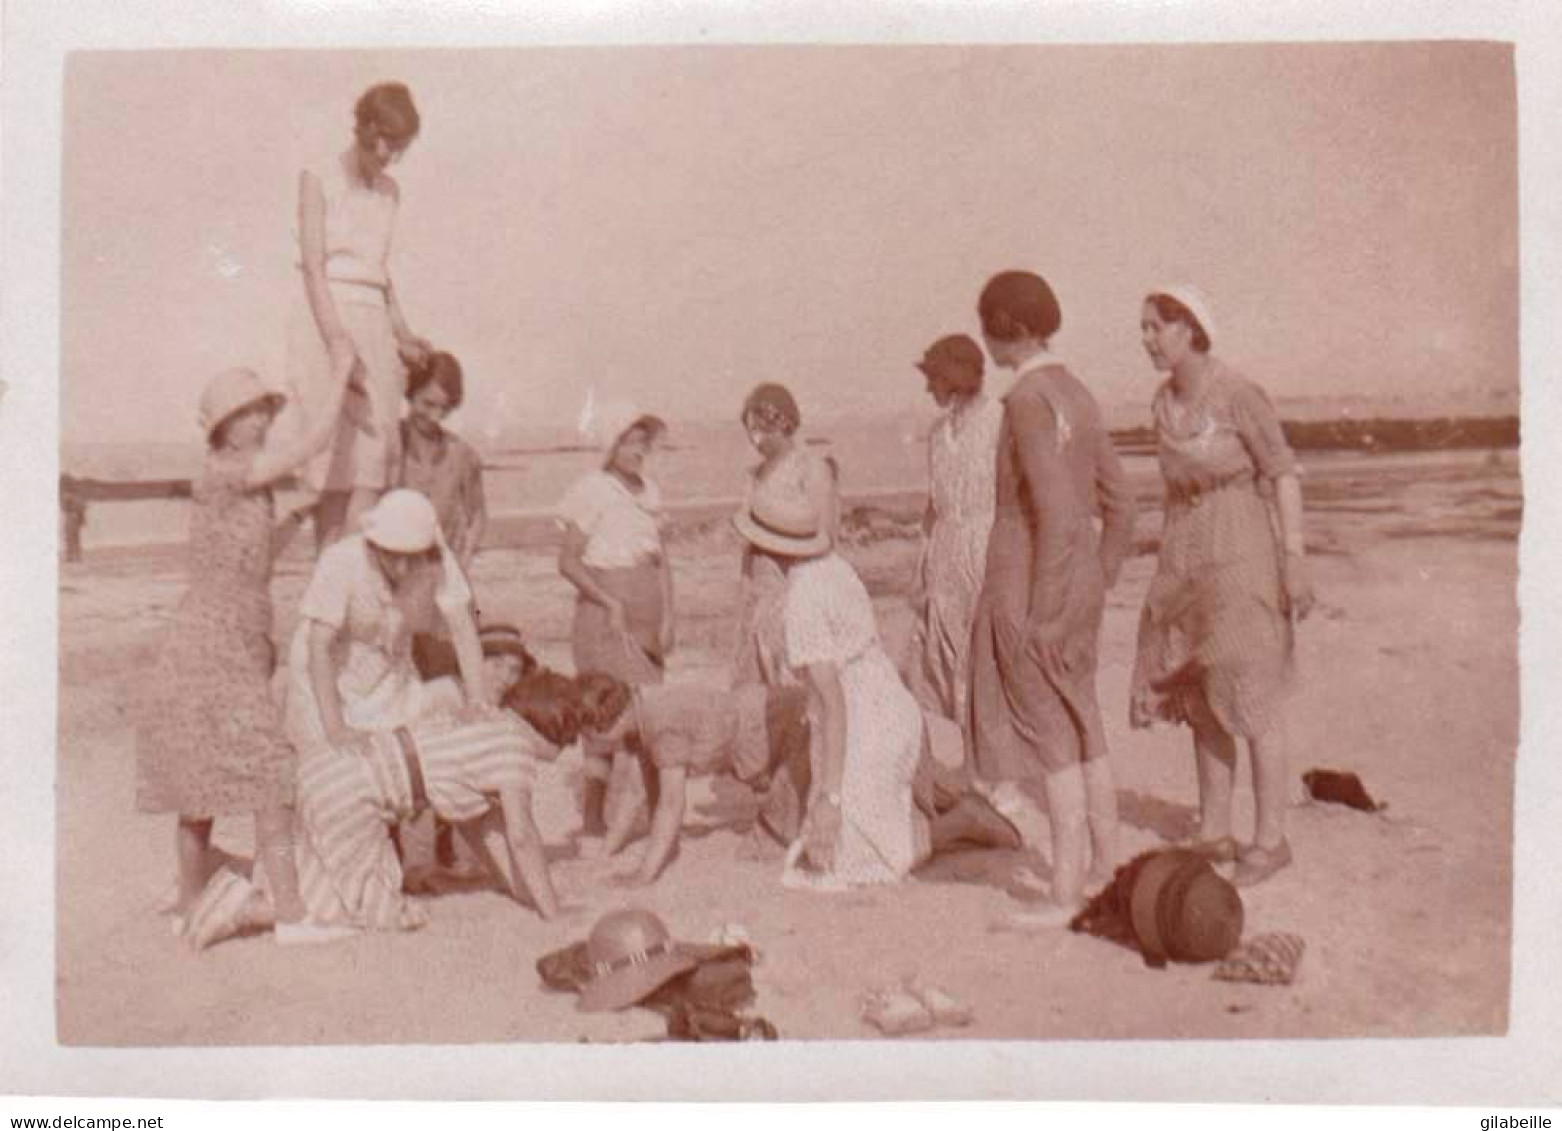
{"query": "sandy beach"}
(1409, 678)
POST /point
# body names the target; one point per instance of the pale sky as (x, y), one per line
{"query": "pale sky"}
(676, 224)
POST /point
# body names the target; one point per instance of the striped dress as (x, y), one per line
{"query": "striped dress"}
(348, 802)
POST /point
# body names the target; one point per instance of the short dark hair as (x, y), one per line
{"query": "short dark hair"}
(1019, 304)
(439, 368)
(602, 699)
(387, 109)
(549, 702)
(1171, 310)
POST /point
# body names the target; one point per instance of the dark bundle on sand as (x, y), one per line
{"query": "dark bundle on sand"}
(1341, 788)
(1107, 914)
(1169, 904)
(707, 1003)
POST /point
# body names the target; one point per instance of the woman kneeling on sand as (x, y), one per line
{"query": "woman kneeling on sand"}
(861, 827)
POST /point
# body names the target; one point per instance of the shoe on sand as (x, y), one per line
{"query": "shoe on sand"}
(896, 1012)
(1221, 850)
(1046, 916)
(310, 934)
(1256, 863)
(946, 1010)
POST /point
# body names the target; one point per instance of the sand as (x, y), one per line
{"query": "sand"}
(1409, 678)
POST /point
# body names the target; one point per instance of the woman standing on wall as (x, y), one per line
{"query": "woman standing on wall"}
(347, 208)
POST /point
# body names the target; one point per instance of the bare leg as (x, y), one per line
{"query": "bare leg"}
(1101, 814)
(666, 823)
(1070, 837)
(274, 850)
(596, 768)
(330, 518)
(361, 499)
(485, 837)
(192, 850)
(1269, 786)
(1215, 755)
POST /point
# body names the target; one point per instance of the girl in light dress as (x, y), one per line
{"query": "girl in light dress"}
(1216, 636)
(962, 474)
(210, 741)
(862, 825)
(614, 556)
(347, 208)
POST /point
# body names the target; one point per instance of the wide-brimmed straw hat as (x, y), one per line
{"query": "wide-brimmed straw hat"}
(1195, 301)
(632, 955)
(403, 522)
(782, 519)
(1182, 910)
(230, 392)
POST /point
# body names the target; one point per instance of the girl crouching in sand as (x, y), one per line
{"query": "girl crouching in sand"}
(752, 733)
(679, 730)
(472, 766)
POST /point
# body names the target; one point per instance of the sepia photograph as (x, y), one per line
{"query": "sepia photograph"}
(688, 542)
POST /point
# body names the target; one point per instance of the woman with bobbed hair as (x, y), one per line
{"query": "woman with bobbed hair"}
(961, 456)
(771, 420)
(439, 463)
(1215, 636)
(1034, 711)
(347, 208)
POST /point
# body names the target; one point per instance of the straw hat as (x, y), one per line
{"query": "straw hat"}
(1196, 302)
(504, 640)
(631, 956)
(782, 519)
(403, 522)
(230, 392)
(1182, 910)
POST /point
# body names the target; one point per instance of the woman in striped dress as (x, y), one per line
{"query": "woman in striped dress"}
(473, 766)
(1215, 636)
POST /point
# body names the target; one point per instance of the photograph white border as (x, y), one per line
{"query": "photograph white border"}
(1523, 1067)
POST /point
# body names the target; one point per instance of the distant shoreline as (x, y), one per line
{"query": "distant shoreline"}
(536, 527)
(1367, 436)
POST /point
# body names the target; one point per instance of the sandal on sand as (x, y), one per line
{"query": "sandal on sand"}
(309, 934)
(1044, 916)
(946, 1010)
(221, 911)
(1257, 864)
(1221, 850)
(896, 1012)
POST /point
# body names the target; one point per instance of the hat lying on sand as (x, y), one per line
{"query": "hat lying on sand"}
(1183, 910)
(1168, 904)
(632, 955)
(230, 392)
